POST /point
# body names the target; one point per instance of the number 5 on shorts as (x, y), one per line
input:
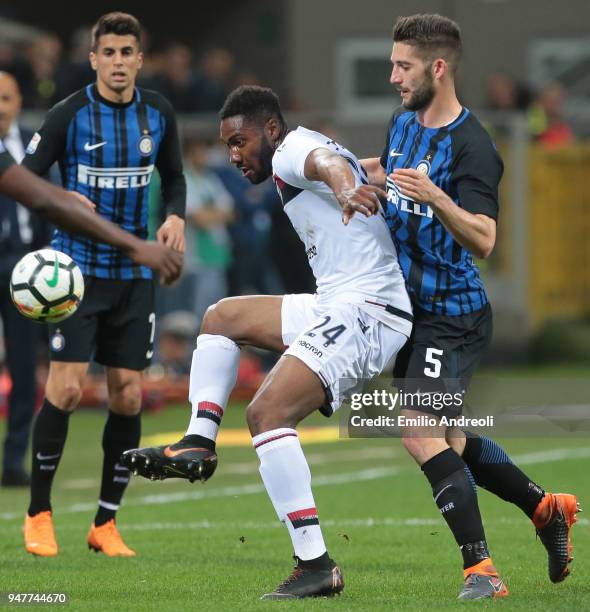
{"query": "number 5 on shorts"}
(434, 371)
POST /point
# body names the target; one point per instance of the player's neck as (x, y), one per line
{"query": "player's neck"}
(444, 109)
(116, 97)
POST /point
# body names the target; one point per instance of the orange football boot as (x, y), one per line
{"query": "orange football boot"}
(553, 519)
(482, 581)
(39, 534)
(107, 539)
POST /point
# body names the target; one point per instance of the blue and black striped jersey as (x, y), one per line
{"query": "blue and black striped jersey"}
(108, 152)
(461, 159)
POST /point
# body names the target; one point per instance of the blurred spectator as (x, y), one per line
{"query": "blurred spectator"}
(214, 79)
(39, 89)
(20, 232)
(177, 80)
(546, 121)
(246, 78)
(209, 210)
(76, 72)
(505, 94)
(253, 270)
(13, 62)
(178, 333)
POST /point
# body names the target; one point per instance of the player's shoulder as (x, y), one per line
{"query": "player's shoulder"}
(68, 107)
(471, 131)
(470, 136)
(155, 99)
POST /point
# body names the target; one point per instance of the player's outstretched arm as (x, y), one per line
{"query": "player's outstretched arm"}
(375, 171)
(475, 232)
(329, 167)
(69, 211)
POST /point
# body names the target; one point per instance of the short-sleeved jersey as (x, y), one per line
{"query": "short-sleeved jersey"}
(108, 152)
(357, 262)
(461, 159)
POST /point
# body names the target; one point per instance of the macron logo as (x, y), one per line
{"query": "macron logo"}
(89, 147)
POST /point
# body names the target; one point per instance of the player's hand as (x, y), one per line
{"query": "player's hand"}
(164, 260)
(363, 199)
(171, 233)
(415, 185)
(84, 200)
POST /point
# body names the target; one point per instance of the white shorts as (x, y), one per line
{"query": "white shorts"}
(340, 342)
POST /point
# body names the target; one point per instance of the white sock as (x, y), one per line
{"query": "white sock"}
(287, 479)
(214, 372)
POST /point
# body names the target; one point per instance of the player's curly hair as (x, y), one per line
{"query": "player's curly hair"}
(254, 103)
(121, 24)
(433, 36)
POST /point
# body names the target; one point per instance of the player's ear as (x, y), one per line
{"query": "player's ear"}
(140, 60)
(439, 68)
(92, 58)
(272, 128)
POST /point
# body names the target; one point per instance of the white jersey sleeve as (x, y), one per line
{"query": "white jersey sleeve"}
(290, 157)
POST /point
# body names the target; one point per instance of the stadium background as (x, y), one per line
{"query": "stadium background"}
(526, 73)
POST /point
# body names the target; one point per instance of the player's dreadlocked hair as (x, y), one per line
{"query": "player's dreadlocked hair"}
(432, 35)
(258, 104)
(121, 24)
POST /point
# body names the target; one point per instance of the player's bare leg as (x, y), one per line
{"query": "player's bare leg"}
(62, 395)
(232, 322)
(454, 494)
(290, 392)
(552, 514)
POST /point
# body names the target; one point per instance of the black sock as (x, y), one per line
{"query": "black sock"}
(196, 441)
(454, 495)
(319, 563)
(120, 434)
(492, 469)
(49, 437)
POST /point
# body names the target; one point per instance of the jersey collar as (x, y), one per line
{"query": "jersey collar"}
(92, 92)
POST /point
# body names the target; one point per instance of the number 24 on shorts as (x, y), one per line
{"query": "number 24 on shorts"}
(330, 334)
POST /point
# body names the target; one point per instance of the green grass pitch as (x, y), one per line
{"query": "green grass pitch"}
(219, 546)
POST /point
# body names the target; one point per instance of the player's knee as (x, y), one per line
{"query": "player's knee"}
(264, 415)
(257, 417)
(66, 395)
(221, 319)
(126, 399)
(413, 445)
(455, 438)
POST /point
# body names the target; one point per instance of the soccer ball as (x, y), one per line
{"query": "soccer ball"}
(47, 285)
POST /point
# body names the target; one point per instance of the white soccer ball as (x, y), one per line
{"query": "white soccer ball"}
(47, 285)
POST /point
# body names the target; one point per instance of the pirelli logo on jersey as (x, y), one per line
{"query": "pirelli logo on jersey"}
(405, 203)
(115, 178)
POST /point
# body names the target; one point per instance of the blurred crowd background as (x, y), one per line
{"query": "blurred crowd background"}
(526, 74)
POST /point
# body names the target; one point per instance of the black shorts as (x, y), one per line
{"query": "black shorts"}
(441, 357)
(115, 324)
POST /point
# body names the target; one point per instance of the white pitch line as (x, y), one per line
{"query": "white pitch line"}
(327, 523)
(550, 456)
(167, 498)
(251, 467)
(364, 522)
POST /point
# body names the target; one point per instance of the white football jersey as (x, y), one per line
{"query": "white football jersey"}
(355, 263)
